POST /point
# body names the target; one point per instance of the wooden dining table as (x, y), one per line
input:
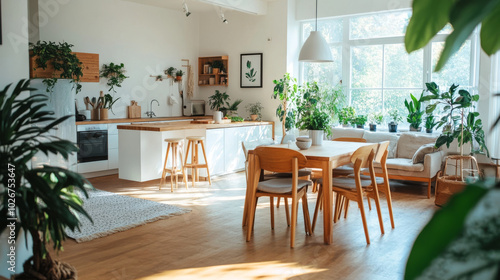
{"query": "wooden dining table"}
(330, 155)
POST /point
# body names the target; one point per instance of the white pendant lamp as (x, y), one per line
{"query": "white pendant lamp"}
(315, 49)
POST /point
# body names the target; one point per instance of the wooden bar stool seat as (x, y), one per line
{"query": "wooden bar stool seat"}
(174, 144)
(193, 142)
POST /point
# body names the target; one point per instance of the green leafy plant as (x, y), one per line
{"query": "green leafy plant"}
(108, 101)
(312, 112)
(59, 56)
(376, 118)
(430, 122)
(254, 108)
(45, 202)
(316, 120)
(333, 99)
(236, 119)
(170, 71)
(394, 116)
(415, 111)
(250, 75)
(347, 115)
(360, 120)
(218, 64)
(217, 100)
(179, 73)
(234, 105)
(459, 121)
(114, 73)
(285, 90)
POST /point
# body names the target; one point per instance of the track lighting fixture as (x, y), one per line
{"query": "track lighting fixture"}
(185, 9)
(222, 17)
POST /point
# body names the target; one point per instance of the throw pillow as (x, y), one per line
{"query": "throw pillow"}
(419, 155)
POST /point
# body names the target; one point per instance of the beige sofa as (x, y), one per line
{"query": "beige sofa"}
(402, 149)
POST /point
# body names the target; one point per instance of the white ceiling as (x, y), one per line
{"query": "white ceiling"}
(199, 6)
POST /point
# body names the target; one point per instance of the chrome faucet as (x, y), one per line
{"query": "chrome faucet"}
(150, 113)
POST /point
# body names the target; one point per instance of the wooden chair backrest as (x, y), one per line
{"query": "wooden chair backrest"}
(350, 139)
(250, 145)
(279, 159)
(362, 156)
(382, 150)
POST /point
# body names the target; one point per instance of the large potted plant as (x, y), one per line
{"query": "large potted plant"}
(285, 90)
(216, 102)
(415, 112)
(346, 116)
(45, 202)
(317, 122)
(313, 113)
(59, 58)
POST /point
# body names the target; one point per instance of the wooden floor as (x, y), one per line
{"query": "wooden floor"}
(209, 242)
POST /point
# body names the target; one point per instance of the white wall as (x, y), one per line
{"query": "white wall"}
(14, 48)
(248, 34)
(146, 39)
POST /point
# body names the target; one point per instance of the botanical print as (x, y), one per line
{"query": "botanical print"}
(250, 75)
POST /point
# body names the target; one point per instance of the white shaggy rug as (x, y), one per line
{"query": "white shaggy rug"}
(113, 213)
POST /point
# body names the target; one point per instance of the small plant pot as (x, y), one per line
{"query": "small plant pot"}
(254, 117)
(215, 70)
(360, 126)
(393, 128)
(103, 114)
(373, 127)
(415, 129)
(178, 78)
(428, 130)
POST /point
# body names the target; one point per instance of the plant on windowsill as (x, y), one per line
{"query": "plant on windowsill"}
(430, 123)
(376, 118)
(360, 121)
(255, 110)
(46, 203)
(415, 112)
(395, 119)
(285, 90)
(65, 64)
(114, 73)
(346, 116)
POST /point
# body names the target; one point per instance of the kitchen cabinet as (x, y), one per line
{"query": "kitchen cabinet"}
(204, 75)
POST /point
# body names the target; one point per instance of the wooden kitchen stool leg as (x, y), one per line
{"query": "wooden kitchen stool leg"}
(194, 165)
(173, 144)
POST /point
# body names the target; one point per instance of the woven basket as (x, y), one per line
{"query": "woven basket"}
(446, 186)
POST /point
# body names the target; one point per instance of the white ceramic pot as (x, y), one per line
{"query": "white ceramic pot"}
(317, 137)
(217, 116)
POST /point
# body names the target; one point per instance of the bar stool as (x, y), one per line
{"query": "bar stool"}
(174, 143)
(193, 142)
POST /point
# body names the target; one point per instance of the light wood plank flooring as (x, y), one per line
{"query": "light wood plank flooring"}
(209, 242)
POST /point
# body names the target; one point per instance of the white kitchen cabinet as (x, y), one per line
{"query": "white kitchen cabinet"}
(215, 151)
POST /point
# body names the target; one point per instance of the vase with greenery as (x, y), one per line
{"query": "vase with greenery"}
(430, 123)
(217, 66)
(347, 115)
(114, 73)
(376, 119)
(58, 56)
(255, 110)
(107, 102)
(394, 118)
(415, 112)
(360, 121)
(285, 90)
(170, 72)
(46, 204)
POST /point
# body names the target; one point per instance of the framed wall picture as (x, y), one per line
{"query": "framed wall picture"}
(251, 70)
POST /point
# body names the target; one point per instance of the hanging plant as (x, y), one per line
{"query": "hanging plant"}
(114, 73)
(170, 72)
(58, 55)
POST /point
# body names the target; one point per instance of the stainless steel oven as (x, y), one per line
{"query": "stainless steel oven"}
(93, 142)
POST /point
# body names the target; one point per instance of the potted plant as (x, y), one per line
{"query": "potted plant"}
(178, 75)
(360, 121)
(312, 113)
(255, 110)
(285, 90)
(395, 119)
(415, 113)
(216, 102)
(317, 122)
(346, 116)
(45, 202)
(170, 72)
(114, 73)
(66, 64)
(217, 66)
(429, 123)
(107, 102)
(232, 109)
(376, 118)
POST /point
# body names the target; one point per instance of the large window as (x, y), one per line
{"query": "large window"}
(371, 61)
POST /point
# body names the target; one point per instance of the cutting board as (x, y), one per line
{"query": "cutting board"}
(203, 121)
(225, 121)
(134, 111)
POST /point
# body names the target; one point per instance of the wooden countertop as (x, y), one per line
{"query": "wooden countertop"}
(145, 120)
(188, 125)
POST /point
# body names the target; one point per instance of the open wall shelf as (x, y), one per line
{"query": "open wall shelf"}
(206, 74)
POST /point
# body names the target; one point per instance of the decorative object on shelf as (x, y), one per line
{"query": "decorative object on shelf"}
(415, 112)
(395, 119)
(251, 70)
(315, 48)
(216, 103)
(170, 72)
(107, 101)
(285, 90)
(208, 76)
(376, 118)
(255, 110)
(360, 121)
(347, 115)
(217, 66)
(211, 81)
(178, 75)
(205, 69)
(430, 123)
(46, 202)
(60, 60)
(114, 73)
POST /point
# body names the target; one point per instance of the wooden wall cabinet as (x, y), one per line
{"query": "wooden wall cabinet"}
(90, 68)
(204, 75)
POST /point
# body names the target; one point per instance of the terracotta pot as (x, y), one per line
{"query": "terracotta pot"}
(103, 114)
(215, 70)
(254, 117)
(178, 78)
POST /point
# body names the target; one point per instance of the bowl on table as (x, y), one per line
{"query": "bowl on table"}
(303, 143)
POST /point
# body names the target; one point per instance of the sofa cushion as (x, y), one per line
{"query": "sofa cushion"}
(347, 132)
(422, 151)
(377, 137)
(404, 164)
(409, 143)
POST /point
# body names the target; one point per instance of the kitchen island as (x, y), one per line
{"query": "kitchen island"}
(142, 148)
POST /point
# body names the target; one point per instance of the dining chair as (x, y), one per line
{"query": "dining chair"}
(279, 160)
(351, 188)
(347, 169)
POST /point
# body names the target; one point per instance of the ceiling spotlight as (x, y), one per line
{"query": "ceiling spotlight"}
(222, 17)
(185, 9)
